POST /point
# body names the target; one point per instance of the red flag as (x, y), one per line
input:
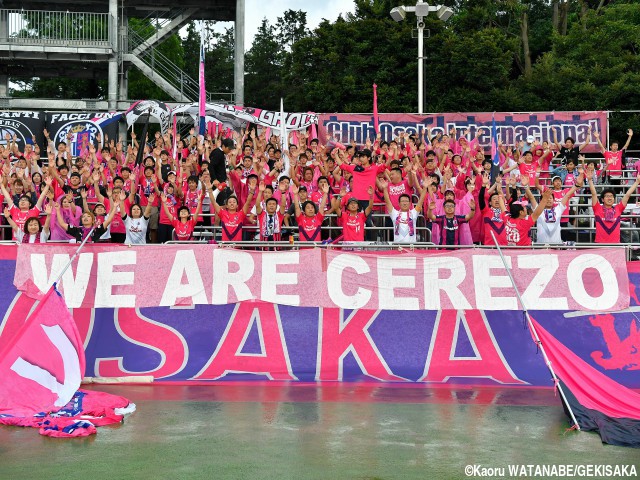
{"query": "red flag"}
(42, 366)
(375, 109)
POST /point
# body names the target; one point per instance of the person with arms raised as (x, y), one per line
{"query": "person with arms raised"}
(606, 214)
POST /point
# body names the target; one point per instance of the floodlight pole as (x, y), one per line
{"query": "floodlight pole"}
(421, 10)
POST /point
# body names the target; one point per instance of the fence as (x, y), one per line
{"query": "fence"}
(39, 27)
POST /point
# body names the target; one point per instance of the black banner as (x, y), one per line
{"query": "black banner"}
(24, 125)
(81, 126)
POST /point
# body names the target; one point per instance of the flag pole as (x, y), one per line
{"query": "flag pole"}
(74, 256)
(535, 333)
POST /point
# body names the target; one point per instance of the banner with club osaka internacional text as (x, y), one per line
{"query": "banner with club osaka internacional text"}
(512, 127)
(112, 276)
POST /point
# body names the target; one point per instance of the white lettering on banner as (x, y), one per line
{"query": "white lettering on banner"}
(610, 290)
(547, 265)
(184, 263)
(484, 281)
(44, 378)
(434, 285)
(108, 278)
(74, 289)
(223, 279)
(335, 270)
(388, 282)
(456, 280)
(271, 278)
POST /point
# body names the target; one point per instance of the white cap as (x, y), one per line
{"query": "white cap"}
(530, 139)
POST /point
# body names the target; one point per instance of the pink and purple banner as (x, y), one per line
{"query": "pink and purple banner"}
(512, 127)
(111, 276)
(252, 340)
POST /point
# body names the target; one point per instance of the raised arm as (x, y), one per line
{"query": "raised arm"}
(7, 215)
(540, 207)
(112, 214)
(163, 198)
(587, 141)
(296, 200)
(632, 189)
(47, 223)
(259, 198)
(64, 225)
(384, 186)
(147, 210)
(367, 211)
(7, 196)
(626, 145)
(423, 194)
(43, 194)
(602, 147)
(588, 173)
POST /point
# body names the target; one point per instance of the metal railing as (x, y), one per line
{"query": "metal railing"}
(41, 27)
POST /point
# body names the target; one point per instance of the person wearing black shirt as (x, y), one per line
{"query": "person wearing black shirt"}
(218, 166)
(569, 151)
(87, 221)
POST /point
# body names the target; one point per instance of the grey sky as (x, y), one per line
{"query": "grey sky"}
(316, 10)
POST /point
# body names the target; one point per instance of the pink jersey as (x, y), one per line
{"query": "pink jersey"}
(397, 189)
(607, 222)
(20, 217)
(614, 162)
(364, 179)
(518, 231)
(353, 227)
(231, 224)
(529, 170)
(117, 224)
(183, 231)
(309, 228)
(173, 204)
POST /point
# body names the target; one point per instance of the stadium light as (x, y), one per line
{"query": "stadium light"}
(421, 9)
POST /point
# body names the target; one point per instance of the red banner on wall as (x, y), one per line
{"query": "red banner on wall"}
(512, 127)
(115, 277)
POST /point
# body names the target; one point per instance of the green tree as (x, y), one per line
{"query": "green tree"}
(263, 69)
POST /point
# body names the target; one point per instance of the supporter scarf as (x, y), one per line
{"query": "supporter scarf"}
(409, 222)
(26, 237)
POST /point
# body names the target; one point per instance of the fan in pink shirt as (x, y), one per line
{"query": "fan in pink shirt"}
(24, 209)
(364, 174)
(607, 215)
(613, 157)
(353, 220)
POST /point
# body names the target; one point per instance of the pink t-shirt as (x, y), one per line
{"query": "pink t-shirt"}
(518, 231)
(397, 189)
(614, 163)
(607, 222)
(364, 179)
(353, 227)
(20, 217)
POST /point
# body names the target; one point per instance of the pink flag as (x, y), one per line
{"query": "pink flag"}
(294, 138)
(42, 366)
(375, 109)
(202, 95)
(175, 134)
(314, 133)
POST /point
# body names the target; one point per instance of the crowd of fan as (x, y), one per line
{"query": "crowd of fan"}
(441, 189)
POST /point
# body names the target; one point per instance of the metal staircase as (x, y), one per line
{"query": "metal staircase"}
(164, 28)
(158, 68)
